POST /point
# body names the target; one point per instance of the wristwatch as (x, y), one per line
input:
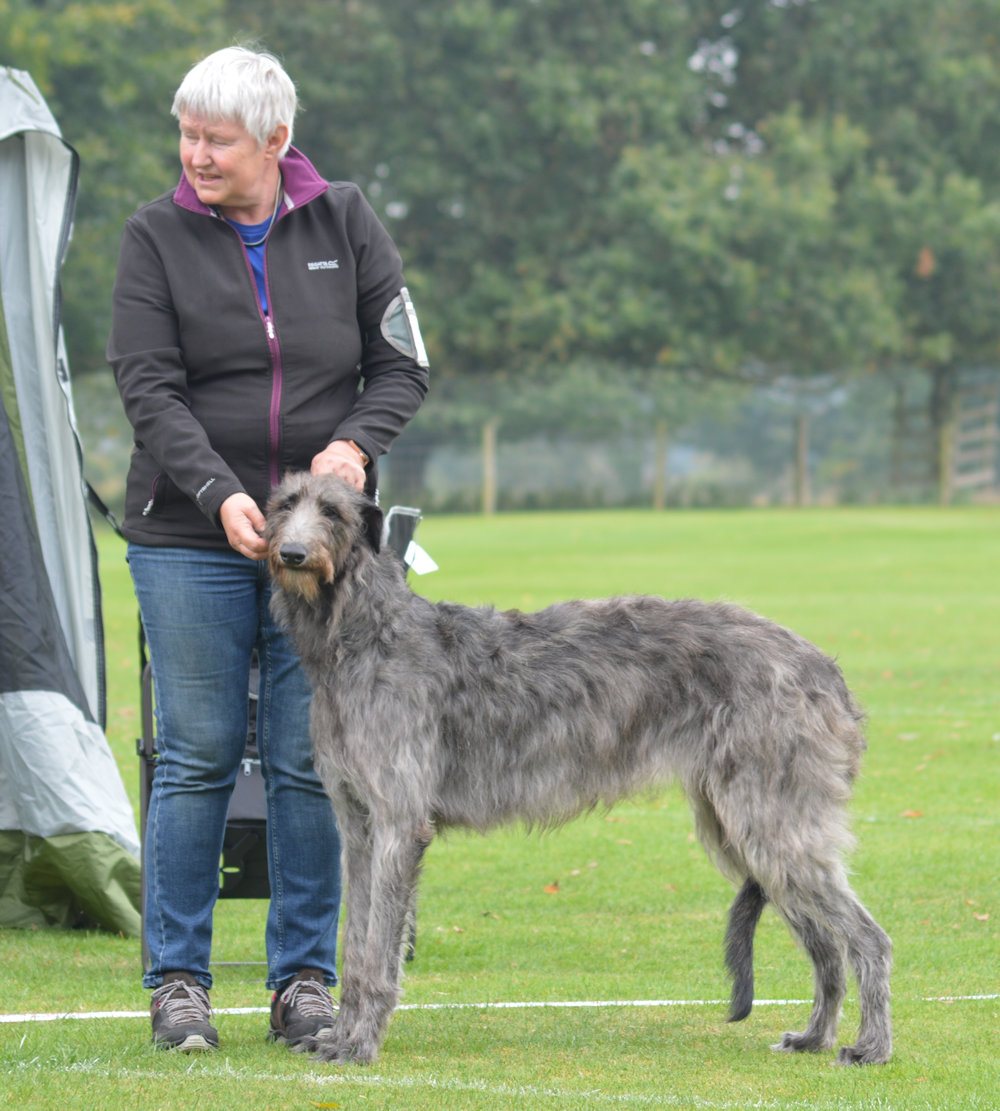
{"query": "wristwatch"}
(364, 458)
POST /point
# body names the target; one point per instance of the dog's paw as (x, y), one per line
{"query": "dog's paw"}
(340, 1051)
(800, 1043)
(859, 1055)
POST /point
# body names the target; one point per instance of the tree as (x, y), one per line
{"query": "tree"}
(919, 80)
(108, 72)
(788, 187)
(489, 135)
(919, 77)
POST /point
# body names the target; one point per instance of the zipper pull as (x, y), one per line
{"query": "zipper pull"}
(270, 327)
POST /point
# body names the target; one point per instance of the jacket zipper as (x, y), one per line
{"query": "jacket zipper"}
(148, 507)
(274, 417)
(274, 351)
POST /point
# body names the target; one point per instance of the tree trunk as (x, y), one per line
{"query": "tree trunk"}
(899, 435)
(944, 467)
(940, 411)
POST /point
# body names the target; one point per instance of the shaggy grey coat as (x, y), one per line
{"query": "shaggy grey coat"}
(434, 715)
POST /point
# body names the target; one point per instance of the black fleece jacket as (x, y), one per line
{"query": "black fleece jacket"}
(224, 398)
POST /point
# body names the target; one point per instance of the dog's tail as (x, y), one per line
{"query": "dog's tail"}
(743, 918)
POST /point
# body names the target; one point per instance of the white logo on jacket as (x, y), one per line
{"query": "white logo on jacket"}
(324, 264)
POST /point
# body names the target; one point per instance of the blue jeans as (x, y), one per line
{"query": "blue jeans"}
(204, 612)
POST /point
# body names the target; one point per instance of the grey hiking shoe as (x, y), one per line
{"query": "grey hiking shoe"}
(180, 1011)
(301, 1010)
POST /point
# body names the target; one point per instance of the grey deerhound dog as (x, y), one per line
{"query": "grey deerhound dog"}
(427, 716)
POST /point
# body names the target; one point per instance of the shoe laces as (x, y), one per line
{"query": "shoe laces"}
(183, 1002)
(310, 998)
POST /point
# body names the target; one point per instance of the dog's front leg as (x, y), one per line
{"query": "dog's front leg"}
(371, 984)
(354, 824)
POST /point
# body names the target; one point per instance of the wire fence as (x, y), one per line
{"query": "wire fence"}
(872, 444)
(868, 445)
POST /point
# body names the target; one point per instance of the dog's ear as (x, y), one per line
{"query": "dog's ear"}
(373, 519)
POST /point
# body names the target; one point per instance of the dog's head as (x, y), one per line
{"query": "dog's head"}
(318, 530)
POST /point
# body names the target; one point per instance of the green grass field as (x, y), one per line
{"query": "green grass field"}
(623, 906)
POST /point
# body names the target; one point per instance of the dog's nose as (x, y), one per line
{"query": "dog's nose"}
(292, 555)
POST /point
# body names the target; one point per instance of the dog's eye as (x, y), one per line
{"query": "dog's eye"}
(331, 513)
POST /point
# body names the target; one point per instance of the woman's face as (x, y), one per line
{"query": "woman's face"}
(226, 168)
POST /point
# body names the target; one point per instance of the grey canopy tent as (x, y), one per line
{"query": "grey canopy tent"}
(69, 850)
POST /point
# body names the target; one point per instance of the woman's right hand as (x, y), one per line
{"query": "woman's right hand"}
(244, 524)
(343, 459)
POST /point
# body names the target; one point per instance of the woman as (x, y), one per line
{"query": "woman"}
(260, 325)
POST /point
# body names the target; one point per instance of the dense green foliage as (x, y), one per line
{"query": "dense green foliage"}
(788, 189)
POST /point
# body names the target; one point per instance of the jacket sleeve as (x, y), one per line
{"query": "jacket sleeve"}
(145, 354)
(393, 385)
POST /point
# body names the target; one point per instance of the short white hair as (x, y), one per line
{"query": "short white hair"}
(243, 86)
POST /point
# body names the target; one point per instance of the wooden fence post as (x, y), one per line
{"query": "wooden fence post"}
(489, 449)
(660, 465)
(802, 460)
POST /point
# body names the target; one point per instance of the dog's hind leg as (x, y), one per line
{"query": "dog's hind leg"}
(870, 953)
(835, 928)
(743, 918)
(809, 889)
(826, 951)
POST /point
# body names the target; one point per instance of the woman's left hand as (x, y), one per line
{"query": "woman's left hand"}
(342, 459)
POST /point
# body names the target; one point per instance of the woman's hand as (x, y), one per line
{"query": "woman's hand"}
(343, 459)
(244, 525)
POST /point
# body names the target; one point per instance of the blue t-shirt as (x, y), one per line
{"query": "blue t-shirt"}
(253, 236)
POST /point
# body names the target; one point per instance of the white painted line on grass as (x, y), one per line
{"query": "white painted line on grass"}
(512, 1006)
(957, 998)
(59, 1016)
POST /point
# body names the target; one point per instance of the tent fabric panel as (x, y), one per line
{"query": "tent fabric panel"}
(60, 788)
(73, 880)
(37, 187)
(33, 650)
(8, 394)
(22, 106)
(49, 789)
(55, 456)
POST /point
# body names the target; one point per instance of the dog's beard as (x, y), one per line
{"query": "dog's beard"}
(303, 582)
